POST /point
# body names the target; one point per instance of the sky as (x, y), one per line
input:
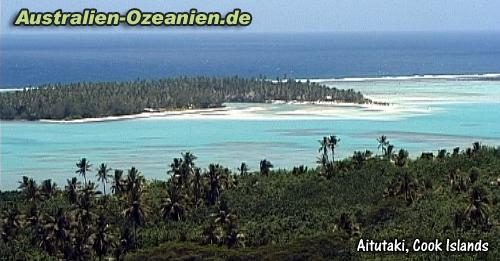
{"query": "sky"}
(291, 15)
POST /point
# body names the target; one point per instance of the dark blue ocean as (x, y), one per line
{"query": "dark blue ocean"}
(46, 58)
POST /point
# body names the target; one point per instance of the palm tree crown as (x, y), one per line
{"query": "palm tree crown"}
(83, 167)
(265, 167)
(383, 142)
(102, 175)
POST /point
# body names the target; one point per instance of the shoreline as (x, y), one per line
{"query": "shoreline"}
(316, 110)
(142, 115)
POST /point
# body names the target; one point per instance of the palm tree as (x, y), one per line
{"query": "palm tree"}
(33, 215)
(324, 146)
(72, 190)
(173, 209)
(243, 169)
(101, 238)
(227, 222)
(441, 154)
(197, 187)
(210, 234)
(403, 185)
(23, 184)
(135, 216)
(30, 189)
(265, 167)
(389, 152)
(401, 159)
(85, 206)
(408, 188)
(299, 170)
(80, 244)
(214, 186)
(474, 173)
(118, 185)
(133, 184)
(83, 166)
(48, 235)
(469, 153)
(427, 156)
(457, 181)
(383, 142)
(11, 224)
(478, 210)
(227, 180)
(328, 171)
(175, 168)
(476, 147)
(56, 228)
(232, 236)
(102, 175)
(125, 244)
(33, 220)
(188, 159)
(187, 167)
(322, 160)
(359, 158)
(48, 188)
(332, 144)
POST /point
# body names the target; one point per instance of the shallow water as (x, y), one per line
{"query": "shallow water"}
(431, 115)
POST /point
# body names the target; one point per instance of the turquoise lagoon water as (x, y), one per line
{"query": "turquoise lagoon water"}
(430, 115)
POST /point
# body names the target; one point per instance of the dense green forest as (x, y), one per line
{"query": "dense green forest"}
(304, 213)
(85, 99)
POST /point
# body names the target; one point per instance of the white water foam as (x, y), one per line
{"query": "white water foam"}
(410, 78)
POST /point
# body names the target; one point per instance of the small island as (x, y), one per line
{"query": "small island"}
(104, 99)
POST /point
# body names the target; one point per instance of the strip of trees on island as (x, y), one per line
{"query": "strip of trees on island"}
(89, 100)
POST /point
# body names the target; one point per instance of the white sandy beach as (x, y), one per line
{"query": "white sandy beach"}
(277, 110)
(144, 115)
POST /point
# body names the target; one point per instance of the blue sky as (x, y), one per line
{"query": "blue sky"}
(295, 15)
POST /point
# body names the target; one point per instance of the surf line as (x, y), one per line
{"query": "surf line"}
(88, 17)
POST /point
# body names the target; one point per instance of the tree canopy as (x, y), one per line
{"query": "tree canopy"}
(320, 213)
